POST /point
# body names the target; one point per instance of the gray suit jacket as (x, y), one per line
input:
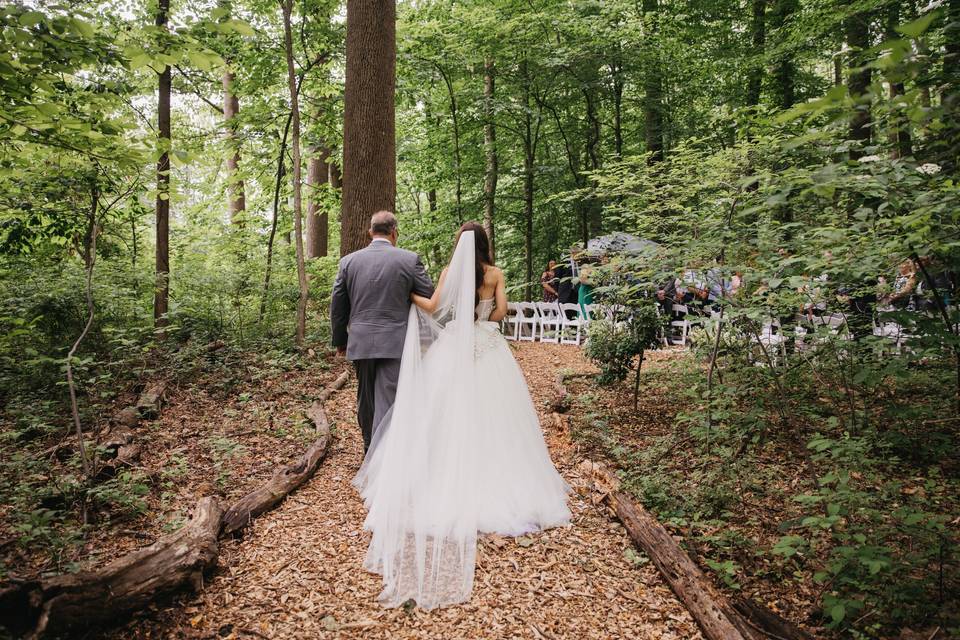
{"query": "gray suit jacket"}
(371, 300)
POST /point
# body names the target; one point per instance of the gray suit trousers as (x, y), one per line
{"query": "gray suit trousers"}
(376, 391)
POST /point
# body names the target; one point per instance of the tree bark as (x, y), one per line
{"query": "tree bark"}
(369, 145)
(857, 29)
(718, 617)
(236, 199)
(75, 601)
(490, 150)
(530, 138)
(318, 174)
(161, 298)
(653, 86)
(758, 41)
(293, 85)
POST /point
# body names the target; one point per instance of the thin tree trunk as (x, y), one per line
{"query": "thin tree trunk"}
(529, 157)
(785, 69)
(490, 150)
(653, 86)
(293, 85)
(276, 216)
(161, 298)
(951, 86)
(857, 28)
(318, 174)
(758, 42)
(236, 199)
(369, 145)
(899, 126)
(89, 259)
(455, 116)
(616, 70)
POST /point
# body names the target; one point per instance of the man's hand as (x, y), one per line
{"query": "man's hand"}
(341, 352)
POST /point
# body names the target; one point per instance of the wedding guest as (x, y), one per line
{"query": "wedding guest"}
(587, 283)
(904, 286)
(548, 280)
(566, 276)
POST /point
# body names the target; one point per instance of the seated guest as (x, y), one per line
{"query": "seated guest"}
(904, 286)
(548, 280)
(664, 296)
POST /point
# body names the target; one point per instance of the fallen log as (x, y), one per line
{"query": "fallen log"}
(290, 477)
(68, 603)
(717, 617)
(150, 401)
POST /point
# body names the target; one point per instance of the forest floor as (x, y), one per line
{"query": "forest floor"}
(298, 571)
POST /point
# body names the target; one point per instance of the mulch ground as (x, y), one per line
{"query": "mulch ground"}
(298, 571)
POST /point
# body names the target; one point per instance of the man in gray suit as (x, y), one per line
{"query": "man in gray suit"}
(368, 316)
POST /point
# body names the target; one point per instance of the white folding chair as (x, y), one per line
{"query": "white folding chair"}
(681, 326)
(772, 341)
(528, 320)
(549, 321)
(510, 325)
(572, 317)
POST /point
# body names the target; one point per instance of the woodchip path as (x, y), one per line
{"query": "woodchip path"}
(298, 572)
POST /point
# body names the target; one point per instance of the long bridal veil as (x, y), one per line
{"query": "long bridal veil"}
(416, 480)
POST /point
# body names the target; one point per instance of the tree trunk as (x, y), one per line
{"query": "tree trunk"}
(490, 150)
(616, 71)
(785, 69)
(457, 163)
(161, 298)
(857, 28)
(287, 6)
(758, 41)
(369, 145)
(529, 158)
(594, 208)
(951, 86)
(899, 125)
(653, 86)
(318, 174)
(236, 200)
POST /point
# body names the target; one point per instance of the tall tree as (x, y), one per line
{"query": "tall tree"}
(758, 32)
(490, 151)
(236, 200)
(318, 175)
(784, 71)
(161, 298)
(898, 125)
(857, 29)
(652, 84)
(294, 87)
(369, 136)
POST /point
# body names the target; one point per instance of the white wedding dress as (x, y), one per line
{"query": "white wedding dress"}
(461, 452)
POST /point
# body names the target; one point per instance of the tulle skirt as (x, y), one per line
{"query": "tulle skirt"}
(466, 455)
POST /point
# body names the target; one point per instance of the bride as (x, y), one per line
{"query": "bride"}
(461, 451)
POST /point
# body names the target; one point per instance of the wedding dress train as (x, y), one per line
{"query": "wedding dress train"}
(460, 453)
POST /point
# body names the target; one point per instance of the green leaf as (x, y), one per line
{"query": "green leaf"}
(85, 29)
(916, 28)
(30, 18)
(838, 612)
(241, 27)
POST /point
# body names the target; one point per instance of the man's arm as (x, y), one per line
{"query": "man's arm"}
(422, 284)
(339, 309)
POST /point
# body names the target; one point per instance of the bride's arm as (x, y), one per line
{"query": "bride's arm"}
(500, 310)
(430, 304)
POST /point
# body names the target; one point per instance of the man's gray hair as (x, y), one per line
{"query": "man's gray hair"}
(383, 223)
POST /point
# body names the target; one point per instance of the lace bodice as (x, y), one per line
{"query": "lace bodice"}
(484, 309)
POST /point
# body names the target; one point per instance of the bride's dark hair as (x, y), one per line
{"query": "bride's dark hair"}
(482, 245)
